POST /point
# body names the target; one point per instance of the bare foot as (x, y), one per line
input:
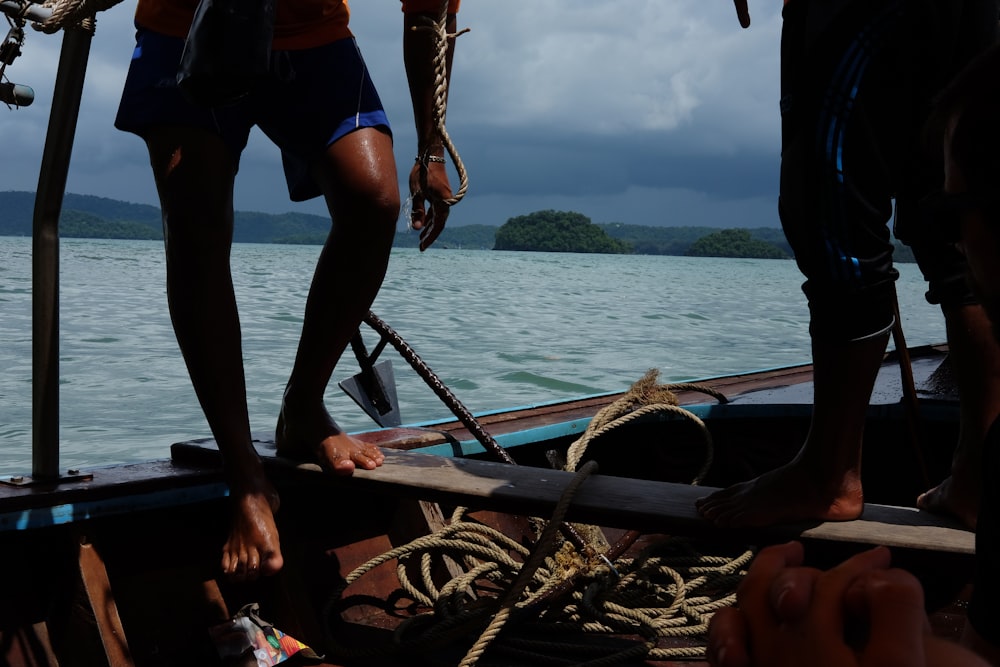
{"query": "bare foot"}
(314, 435)
(784, 495)
(953, 498)
(252, 549)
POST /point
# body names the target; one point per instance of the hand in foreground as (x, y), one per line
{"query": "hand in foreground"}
(861, 612)
(743, 12)
(429, 192)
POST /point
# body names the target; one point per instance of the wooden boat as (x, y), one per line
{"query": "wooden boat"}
(118, 565)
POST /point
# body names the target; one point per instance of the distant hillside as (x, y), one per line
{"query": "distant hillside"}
(468, 237)
(86, 216)
(648, 240)
(100, 217)
(18, 211)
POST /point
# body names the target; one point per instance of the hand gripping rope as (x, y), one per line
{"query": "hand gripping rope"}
(441, 36)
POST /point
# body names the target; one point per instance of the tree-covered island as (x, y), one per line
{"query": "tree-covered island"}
(557, 231)
(734, 243)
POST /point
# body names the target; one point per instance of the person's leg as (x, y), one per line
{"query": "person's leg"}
(973, 349)
(968, 109)
(823, 481)
(975, 358)
(982, 626)
(357, 176)
(835, 203)
(194, 173)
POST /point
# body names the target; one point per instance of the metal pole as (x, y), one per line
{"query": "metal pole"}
(45, 250)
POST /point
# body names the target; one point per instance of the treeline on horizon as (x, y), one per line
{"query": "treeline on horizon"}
(87, 216)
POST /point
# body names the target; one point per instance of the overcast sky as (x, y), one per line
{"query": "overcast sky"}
(651, 112)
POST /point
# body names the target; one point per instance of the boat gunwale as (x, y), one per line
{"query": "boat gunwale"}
(121, 488)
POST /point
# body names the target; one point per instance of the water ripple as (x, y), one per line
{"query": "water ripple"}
(501, 329)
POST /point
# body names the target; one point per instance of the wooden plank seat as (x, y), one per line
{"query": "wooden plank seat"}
(636, 504)
(606, 500)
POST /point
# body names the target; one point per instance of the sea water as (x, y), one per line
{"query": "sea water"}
(500, 329)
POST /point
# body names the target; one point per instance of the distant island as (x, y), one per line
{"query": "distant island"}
(557, 231)
(86, 216)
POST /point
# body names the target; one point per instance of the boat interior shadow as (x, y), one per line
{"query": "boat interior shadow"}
(103, 570)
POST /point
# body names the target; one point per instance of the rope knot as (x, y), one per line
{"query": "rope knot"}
(646, 391)
(68, 14)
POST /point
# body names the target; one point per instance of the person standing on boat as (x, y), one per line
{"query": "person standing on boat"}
(966, 115)
(320, 107)
(790, 614)
(857, 79)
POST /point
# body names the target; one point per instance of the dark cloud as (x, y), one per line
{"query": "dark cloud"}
(571, 165)
(647, 112)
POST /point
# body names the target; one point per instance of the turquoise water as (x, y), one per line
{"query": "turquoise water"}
(501, 329)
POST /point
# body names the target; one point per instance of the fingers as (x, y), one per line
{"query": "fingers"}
(762, 604)
(892, 602)
(430, 192)
(743, 13)
(754, 594)
(728, 639)
(429, 220)
(831, 590)
(417, 201)
(791, 592)
(415, 210)
(434, 225)
(860, 612)
(775, 585)
(829, 606)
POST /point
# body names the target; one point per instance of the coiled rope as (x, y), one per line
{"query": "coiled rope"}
(555, 589)
(441, 36)
(645, 397)
(389, 335)
(668, 590)
(73, 14)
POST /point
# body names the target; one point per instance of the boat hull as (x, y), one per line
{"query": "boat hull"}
(120, 566)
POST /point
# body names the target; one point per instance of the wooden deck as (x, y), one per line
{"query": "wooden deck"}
(624, 502)
(627, 503)
(609, 499)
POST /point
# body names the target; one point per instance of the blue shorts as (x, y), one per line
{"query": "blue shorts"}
(312, 98)
(856, 89)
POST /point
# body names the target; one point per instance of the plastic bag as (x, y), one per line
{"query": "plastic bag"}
(246, 640)
(227, 51)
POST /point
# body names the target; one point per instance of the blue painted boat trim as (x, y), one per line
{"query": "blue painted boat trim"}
(704, 411)
(70, 513)
(558, 401)
(58, 515)
(577, 427)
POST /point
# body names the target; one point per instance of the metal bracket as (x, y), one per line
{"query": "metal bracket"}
(25, 481)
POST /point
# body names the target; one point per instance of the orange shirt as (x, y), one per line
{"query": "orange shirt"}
(299, 24)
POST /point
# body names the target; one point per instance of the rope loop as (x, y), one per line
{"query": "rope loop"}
(439, 30)
(69, 14)
(531, 603)
(643, 398)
